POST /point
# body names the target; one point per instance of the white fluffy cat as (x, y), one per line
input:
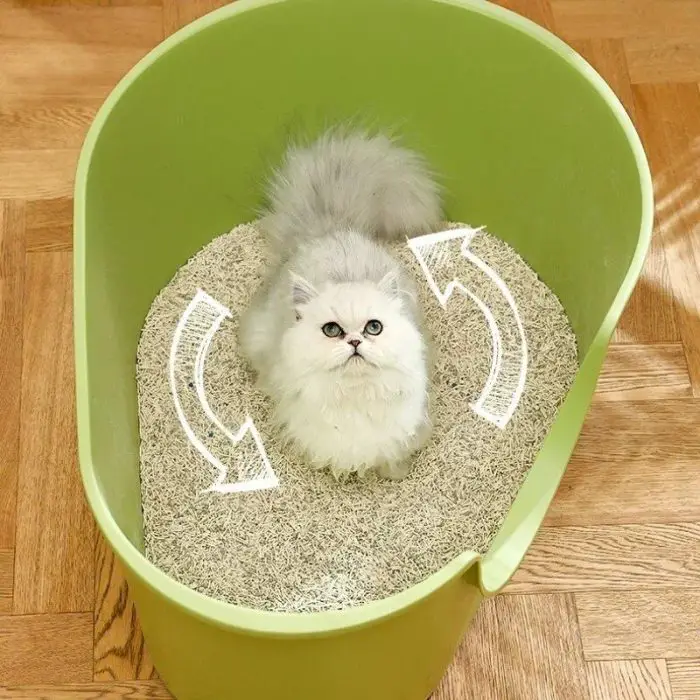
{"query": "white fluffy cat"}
(335, 333)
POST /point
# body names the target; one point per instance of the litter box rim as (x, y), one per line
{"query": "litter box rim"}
(493, 569)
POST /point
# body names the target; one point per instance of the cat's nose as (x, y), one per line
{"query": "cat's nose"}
(354, 342)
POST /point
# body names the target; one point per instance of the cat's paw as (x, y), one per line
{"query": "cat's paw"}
(394, 471)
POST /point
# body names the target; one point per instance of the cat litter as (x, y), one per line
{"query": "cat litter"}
(230, 511)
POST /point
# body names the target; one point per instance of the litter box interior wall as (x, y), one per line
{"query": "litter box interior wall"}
(183, 154)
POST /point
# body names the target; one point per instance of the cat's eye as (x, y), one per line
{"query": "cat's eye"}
(331, 329)
(374, 327)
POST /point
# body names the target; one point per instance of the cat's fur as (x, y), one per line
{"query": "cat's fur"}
(331, 206)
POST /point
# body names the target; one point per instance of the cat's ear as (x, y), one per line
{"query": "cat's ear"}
(302, 290)
(389, 284)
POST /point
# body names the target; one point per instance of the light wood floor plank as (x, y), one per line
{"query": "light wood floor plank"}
(36, 67)
(645, 373)
(120, 653)
(636, 462)
(639, 624)
(650, 314)
(31, 122)
(45, 649)
(7, 565)
(663, 59)
(55, 547)
(519, 647)
(31, 4)
(685, 678)
(37, 174)
(623, 19)
(645, 679)
(140, 690)
(106, 26)
(11, 295)
(617, 557)
(669, 122)
(49, 225)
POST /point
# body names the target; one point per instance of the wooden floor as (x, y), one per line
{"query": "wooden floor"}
(607, 603)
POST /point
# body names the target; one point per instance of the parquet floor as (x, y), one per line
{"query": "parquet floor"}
(607, 603)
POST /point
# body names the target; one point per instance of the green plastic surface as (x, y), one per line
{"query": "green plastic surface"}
(531, 143)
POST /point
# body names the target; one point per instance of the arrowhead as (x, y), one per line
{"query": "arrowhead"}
(440, 256)
(249, 468)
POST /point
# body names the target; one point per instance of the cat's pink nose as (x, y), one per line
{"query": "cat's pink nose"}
(354, 342)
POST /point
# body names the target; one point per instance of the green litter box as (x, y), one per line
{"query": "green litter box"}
(531, 142)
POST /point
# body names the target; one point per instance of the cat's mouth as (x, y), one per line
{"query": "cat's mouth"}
(356, 359)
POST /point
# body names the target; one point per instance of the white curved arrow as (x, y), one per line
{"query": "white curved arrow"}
(506, 381)
(188, 353)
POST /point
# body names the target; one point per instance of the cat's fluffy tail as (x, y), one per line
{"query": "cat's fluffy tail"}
(350, 180)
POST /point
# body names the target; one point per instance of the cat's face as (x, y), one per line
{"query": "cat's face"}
(351, 329)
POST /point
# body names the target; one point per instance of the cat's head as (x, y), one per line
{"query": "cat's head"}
(351, 329)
